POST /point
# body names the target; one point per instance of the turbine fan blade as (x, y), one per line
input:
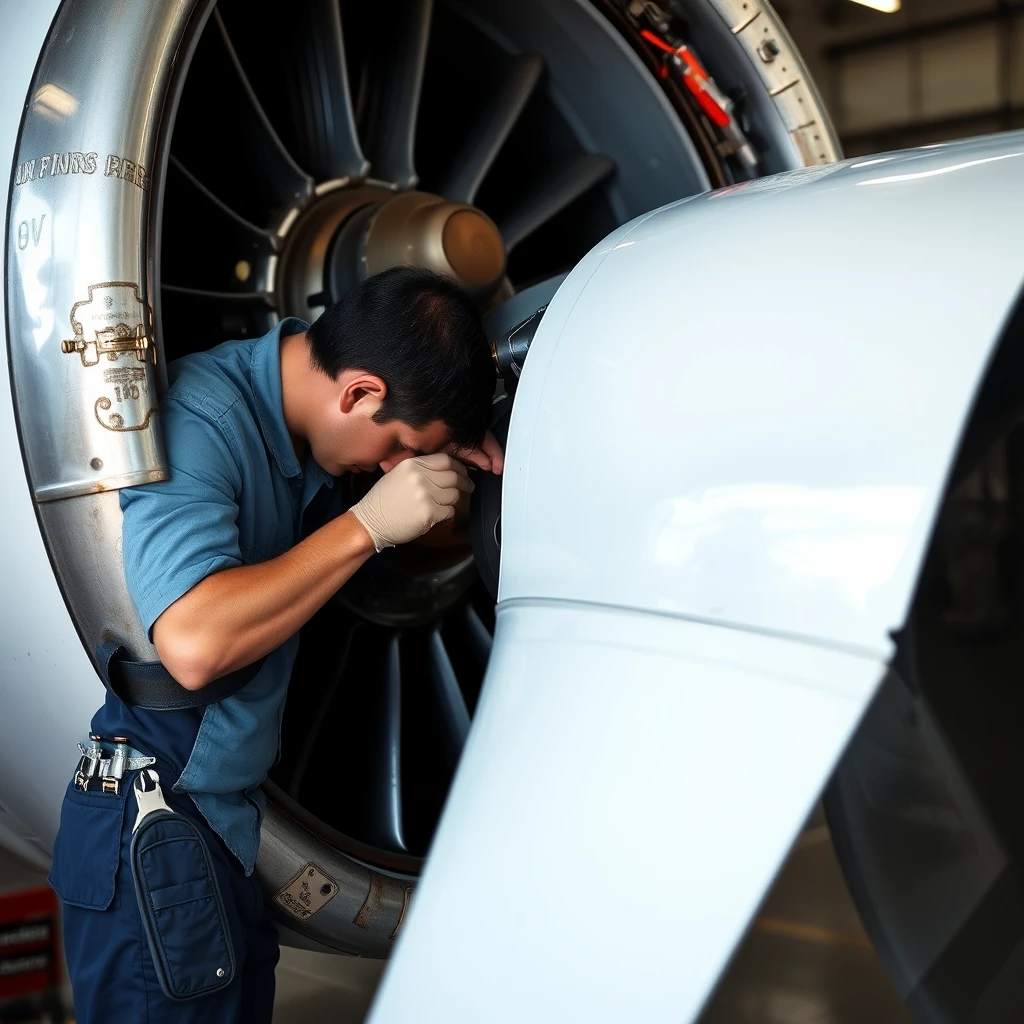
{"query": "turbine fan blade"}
(396, 78)
(222, 315)
(267, 179)
(327, 699)
(452, 704)
(480, 639)
(238, 298)
(563, 187)
(320, 101)
(493, 128)
(386, 821)
(231, 264)
(217, 205)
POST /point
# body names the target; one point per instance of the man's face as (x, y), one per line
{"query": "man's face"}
(353, 444)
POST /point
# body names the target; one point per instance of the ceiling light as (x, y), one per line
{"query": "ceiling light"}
(886, 6)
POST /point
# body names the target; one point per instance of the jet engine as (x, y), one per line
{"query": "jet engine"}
(188, 172)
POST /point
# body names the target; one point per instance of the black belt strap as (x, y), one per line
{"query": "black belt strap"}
(148, 685)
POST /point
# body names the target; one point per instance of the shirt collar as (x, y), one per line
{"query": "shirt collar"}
(316, 477)
(265, 378)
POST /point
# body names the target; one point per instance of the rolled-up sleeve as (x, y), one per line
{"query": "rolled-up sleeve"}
(178, 532)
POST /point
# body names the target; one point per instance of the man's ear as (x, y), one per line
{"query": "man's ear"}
(360, 389)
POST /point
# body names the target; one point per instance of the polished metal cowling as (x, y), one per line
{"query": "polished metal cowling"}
(84, 354)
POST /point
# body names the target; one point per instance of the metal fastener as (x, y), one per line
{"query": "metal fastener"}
(220, 972)
(769, 50)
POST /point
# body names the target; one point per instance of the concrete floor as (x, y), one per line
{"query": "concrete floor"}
(806, 960)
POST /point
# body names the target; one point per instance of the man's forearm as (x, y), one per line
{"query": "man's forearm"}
(238, 615)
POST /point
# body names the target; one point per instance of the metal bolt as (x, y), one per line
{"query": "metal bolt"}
(769, 50)
(220, 972)
(96, 464)
(325, 889)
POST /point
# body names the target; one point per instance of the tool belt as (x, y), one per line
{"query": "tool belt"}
(148, 685)
(105, 768)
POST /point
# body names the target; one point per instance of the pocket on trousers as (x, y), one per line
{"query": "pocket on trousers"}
(87, 850)
(181, 907)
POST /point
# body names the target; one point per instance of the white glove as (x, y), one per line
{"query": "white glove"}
(416, 495)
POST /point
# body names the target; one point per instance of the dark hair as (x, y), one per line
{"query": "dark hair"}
(424, 337)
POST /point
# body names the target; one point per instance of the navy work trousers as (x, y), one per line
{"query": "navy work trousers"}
(108, 956)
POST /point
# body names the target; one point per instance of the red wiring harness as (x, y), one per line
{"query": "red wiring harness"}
(696, 79)
(713, 103)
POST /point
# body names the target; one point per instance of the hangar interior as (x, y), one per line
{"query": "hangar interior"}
(927, 72)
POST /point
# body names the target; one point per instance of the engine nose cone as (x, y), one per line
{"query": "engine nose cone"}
(448, 237)
(474, 249)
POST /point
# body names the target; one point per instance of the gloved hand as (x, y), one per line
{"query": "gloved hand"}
(416, 495)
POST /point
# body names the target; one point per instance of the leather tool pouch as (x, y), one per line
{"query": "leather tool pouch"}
(181, 906)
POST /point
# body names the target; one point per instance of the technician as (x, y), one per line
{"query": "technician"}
(225, 561)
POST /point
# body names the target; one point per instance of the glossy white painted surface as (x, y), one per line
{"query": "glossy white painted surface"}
(631, 784)
(48, 687)
(742, 409)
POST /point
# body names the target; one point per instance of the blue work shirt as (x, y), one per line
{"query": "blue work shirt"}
(235, 496)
